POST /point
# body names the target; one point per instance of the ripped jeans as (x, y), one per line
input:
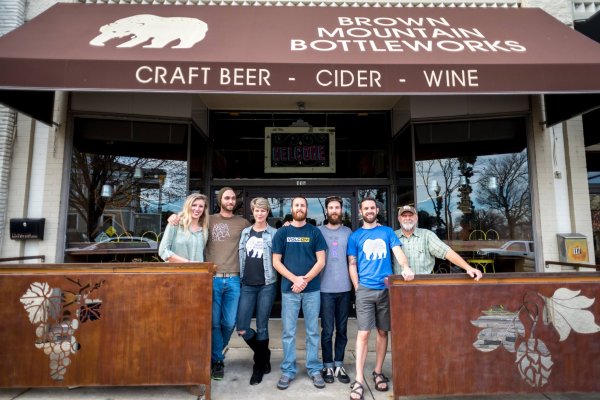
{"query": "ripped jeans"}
(257, 298)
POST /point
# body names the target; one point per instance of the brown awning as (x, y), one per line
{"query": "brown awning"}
(298, 50)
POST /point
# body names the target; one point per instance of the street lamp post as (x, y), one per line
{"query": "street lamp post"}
(437, 206)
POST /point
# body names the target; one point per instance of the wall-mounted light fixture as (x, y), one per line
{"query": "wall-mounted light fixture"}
(139, 173)
(493, 183)
(463, 180)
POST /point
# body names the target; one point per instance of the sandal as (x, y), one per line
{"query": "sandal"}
(381, 385)
(357, 389)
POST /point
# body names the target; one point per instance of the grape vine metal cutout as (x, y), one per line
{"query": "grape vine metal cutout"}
(56, 315)
(565, 311)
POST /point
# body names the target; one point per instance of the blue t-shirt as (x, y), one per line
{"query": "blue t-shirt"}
(373, 251)
(298, 248)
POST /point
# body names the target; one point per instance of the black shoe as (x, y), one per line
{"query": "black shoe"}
(328, 375)
(257, 375)
(341, 374)
(267, 360)
(218, 370)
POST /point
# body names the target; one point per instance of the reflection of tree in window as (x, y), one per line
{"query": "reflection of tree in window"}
(444, 171)
(511, 198)
(161, 179)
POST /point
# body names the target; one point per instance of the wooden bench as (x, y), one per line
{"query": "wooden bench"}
(106, 325)
(508, 333)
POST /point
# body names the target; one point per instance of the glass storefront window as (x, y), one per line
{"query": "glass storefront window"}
(594, 187)
(114, 196)
(471, 184)
(475, 198)
(361, 143)
(126, 178)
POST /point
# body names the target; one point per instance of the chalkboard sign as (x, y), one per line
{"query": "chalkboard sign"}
(299, 149)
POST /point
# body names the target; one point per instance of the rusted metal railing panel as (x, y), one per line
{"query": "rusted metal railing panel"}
(105, 324)
(513, 333)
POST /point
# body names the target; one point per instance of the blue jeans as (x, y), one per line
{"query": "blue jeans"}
(290, 307)
(226, 294)
(259, 298)
(334, 313)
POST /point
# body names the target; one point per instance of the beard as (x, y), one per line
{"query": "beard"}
(298, 215)
(370, 218)
(407, 226)
(228, 207)
(334, 219)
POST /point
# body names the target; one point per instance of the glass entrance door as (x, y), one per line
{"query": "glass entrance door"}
(280, 202)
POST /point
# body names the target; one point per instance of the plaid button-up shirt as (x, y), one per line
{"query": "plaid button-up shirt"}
(421, 249)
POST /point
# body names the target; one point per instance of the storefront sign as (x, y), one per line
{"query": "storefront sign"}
(299, 149)
(298, 49)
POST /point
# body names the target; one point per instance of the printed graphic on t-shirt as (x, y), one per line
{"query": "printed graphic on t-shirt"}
(298, 239)
(375, 249)
(254, 247)
(333, 249)
(220, 232)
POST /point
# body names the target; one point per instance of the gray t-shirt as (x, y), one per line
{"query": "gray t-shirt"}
(335, 277)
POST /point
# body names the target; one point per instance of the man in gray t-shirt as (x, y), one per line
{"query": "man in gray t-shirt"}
(336, 289)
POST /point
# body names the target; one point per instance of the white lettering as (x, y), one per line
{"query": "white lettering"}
(138, 74)
(178, 75)
(452, 78)
(245, 77)
(297, 44)
(343, 78)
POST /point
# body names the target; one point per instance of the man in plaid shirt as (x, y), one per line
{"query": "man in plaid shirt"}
(422, 246)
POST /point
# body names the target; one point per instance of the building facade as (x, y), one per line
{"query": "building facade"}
(484, 170)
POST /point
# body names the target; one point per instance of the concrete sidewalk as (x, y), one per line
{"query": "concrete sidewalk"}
(238, 368)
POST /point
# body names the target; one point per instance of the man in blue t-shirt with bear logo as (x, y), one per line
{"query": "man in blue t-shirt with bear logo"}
(370, 262)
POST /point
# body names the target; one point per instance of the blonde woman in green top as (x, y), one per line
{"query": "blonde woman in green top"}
(185, 242)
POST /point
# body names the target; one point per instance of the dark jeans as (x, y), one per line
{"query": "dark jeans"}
(261, 298)
(334, 313)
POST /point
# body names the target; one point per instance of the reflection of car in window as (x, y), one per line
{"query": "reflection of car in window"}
(119, 243)
(513, 248)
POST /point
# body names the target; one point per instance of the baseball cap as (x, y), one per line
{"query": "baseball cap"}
(404, 209)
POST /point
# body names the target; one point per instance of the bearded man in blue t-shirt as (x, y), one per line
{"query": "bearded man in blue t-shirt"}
(299, 256)
(370, 262)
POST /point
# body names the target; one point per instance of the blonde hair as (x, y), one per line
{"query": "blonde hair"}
(260, 202)
(186, 214)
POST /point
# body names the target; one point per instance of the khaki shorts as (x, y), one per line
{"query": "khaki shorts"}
(372, 309)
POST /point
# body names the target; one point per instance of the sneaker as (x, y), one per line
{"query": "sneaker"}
(283, 382)
(218, 370)
(318, 381)
(341, 374)
(328, 375)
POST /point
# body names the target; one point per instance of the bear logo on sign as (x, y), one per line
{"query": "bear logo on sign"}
(160, 31)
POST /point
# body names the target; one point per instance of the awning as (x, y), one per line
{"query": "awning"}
(298, 50)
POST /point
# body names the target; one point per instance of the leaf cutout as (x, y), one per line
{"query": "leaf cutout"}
(534, 362)
(90, 311)
(36, 302)
(500, 327)
(565, 310)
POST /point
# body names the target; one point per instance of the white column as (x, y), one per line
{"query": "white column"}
(544, 194)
